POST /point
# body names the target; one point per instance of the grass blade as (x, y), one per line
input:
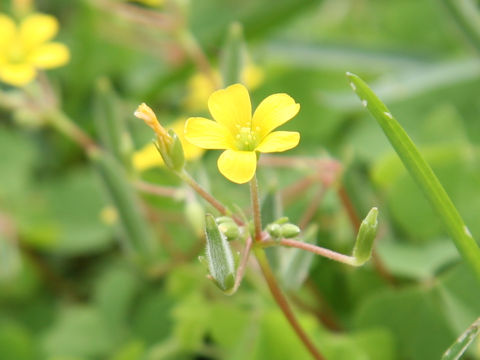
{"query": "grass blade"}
(456, 350)
(421, 172)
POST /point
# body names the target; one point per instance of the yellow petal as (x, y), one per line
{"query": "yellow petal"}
(50, 55)
(38, 28)
(17, 74)
(147, 157)
(7, 30)
(207, 134)
(278, 141)
(231, 107)
(190, 151)
(237, 166)
(272, 112)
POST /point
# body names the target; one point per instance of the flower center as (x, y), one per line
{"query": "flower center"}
(246, 139)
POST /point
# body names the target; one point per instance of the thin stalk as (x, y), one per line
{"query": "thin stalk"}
(283, 303)
(208, 197)
(330, 254)
(156, 190)
(267, 272)
(243, 265)
(257, 219)
(66, 126)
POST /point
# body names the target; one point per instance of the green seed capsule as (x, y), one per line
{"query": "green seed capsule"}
(366, 235)
(219, 255)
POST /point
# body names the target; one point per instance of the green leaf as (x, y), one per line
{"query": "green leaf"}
(111, 123)
(114, 295)
(151, 318)
(17, 155)
(137, 233)
(16, 342)
(413, 317)
(79, 332)
(456, 350)
(422, 173)
(409, 260)
(64, 215)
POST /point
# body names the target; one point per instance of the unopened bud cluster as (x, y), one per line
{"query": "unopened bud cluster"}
(282, 229)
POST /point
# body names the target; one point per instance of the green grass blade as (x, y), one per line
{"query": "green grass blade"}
(456, 350)
(421, 172)
(467, 16)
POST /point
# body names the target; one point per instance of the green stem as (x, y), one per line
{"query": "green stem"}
(256, 208)
(330, 254)
(270, 278)
(66, 126)
(283, 303)
(185, 176)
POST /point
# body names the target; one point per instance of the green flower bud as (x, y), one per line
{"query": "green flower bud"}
(289, 230)
(171, 151)
(282, 220)
(274, 230)
(221, 263)
(366, 235)
(230, 230)
(168, 143)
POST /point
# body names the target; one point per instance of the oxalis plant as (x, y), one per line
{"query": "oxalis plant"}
(244, 135)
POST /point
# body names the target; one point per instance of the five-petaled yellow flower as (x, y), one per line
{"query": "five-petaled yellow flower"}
(26, 48)
(242, 135)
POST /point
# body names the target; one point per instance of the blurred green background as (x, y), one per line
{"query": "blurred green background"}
(67, 292)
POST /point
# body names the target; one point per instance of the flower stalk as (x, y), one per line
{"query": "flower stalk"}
(267, 272)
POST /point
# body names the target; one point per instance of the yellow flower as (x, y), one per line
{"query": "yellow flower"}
(200, 86)
(148, 156)
(242, 135)
(152, 3)
(26, 48)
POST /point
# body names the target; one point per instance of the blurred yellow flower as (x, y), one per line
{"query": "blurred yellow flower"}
(26, 48)
(152, 3)
(242, 135)
(200, 86)
(148, 156)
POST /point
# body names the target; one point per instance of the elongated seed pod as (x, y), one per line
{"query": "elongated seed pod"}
(220, 259)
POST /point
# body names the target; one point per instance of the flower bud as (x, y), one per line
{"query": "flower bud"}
(366, 235)
(230, 230)
(274, 230)
(168, 144)
(289, 230)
